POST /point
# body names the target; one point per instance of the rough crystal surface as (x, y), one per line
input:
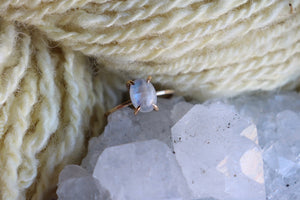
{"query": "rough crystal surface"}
(278, 123)
(124, 127)
(143, 94)
(179, 110)
(218, 156)
(75, 183)
(271, 121)
(142, 170)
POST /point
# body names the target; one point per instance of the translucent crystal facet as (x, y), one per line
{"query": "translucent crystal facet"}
(124, 127)
(141, 171)
(75, 183)
(218, 154)
(143, 94)
(245, 147)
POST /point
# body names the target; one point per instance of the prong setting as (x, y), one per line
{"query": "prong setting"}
(129, 83)
(155, 107)
(137, 110)
(149, 79)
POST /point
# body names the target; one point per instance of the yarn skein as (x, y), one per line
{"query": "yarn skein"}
(183, 44)
(46, 101)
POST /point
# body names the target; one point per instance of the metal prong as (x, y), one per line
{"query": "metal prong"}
(149, 79)
(137, 110)
(164, 92)
(155, 107)
(129, 83)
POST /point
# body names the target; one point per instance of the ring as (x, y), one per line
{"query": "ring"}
(143, 96)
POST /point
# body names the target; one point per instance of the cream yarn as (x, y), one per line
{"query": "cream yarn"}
(201, 48)
(52, 96)
(47, 98)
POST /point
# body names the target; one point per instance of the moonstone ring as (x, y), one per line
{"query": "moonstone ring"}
(143, 96)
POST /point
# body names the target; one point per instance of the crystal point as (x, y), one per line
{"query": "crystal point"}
(142, 170)
(216, 159)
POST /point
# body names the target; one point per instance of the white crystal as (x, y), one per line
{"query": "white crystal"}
(278, 123)
(125, 127)
(277, 119)
(263, 110)
(75, 183)
(143, 170)
(179, 110)
(216, 156)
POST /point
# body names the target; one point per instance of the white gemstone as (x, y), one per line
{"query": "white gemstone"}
(143, 94)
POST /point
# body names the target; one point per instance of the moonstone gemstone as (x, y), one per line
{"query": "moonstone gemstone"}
(143, 94)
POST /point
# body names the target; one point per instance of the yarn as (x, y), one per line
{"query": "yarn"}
(64, 63)
(46, 102)
(176, 38)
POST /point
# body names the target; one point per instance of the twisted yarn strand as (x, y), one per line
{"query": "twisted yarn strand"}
(7, 42)
(269, 41)
(46, 116)
(8, 85)
(132, 31)
(172, 38)
(177, 41)
(33, 112)
(19, 124)
(68, 140)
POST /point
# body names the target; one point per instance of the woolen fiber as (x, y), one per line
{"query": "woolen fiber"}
(63, 64)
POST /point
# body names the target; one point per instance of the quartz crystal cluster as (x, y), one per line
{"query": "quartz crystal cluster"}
(277, 118)
(242, 148)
